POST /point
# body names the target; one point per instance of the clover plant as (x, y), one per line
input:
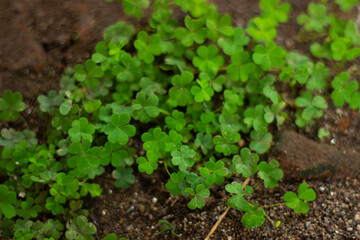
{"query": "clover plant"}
(200, 95)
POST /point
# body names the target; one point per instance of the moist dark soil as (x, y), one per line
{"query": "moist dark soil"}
(40, 38)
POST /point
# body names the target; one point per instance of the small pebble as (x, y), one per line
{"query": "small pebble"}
(307, 224)
(333, 141)
(357, 217)
(154, 200)
(349, 229)
(321, 188)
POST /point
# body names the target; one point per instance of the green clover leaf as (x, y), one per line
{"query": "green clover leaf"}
(346, 5)
(263, 29)
(197, 8)
(313, 106)
(204, 141)
(10, 137)
(148, 165)
(148, 48)
(343, 90)
(92, 106)
(317, 19)
(128, 71)
(253, 117)
(123, 176)
(119, 32)
(10, 106)
(270, 173)
(176, 121)
(318, 80)
(261, 140)
(208, 59)
(246, 163)
(225, 143)
(235, 43)
(145, 108)
(48, 103)
(7, 202)
(84, 158)
(219, 25)
(238, 201)
(241, 66)
(117, 155)
(81, 130)
(194, 32)
(272, 9)
(197, 201)
(180, 94)
(162, 21)
(155, 140)
(184, 158)
(91, 70)
(297, 202)
(202, 93)
(255, 217)
(80, 228)
(133, 7)
(119, 130)
(177, 183)
(269, 56)
(213, 172)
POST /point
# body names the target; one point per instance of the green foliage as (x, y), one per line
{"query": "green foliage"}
(238, 201)
(322, 132)
(48, 103)
(194, 32)
(167, 226)
(148, 48)
(270, 173)
(132, 7)
(80, 228)
(255, 217)
(8, 199)
(346, 5)
(269, 56)
(199, 193)
(119, 130)
(345, 91)
(10, 106)
(313, 108)
(297, 202)
(180, 99)
(317, 18)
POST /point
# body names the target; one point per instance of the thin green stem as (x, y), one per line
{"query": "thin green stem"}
(271, 221)
(24, 120)
(166, 168)
(273, 205)
(165, 112)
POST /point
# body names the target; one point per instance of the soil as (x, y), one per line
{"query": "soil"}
(40, 38)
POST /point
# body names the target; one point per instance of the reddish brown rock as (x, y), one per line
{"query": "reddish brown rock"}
(301, 157)
(25, 50)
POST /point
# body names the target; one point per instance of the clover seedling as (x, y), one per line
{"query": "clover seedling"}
(10, 106)
(297, 202)
(317, 19)
(80, 229)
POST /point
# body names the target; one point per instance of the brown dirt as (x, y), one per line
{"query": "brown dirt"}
(39, 38)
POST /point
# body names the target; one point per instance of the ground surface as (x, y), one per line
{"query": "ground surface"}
(39, 38)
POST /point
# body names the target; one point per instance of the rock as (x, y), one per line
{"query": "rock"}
(301, 157)
(357, 217)
(25, 50)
